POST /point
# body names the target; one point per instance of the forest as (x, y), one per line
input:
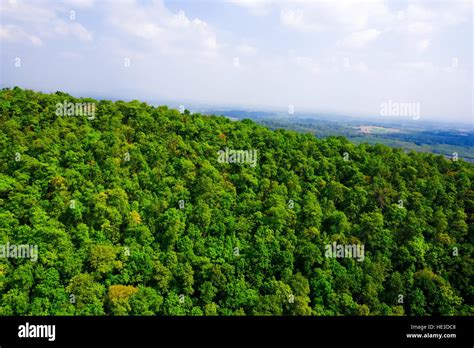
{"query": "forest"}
(131, 212)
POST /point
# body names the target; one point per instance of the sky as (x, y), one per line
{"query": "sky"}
(347, 56)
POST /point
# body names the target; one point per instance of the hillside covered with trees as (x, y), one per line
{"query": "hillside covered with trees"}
(133, 213)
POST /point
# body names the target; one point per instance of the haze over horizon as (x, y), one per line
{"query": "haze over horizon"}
(346, 57)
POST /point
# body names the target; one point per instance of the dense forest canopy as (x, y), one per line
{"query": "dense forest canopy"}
(137, 210)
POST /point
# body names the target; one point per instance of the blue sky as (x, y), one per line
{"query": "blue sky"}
(344, 56)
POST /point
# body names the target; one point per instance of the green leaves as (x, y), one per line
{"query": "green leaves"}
(209, 238)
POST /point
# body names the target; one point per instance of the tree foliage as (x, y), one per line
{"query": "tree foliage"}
(133, 214)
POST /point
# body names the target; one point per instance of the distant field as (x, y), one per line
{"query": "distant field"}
(466, 153)
(376, 130)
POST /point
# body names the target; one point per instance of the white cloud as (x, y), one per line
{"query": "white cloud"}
(419, 13)
(246, 49)
(210, 42)
(296, 19)
(309, 64)
(418, 66)
(421, 20)
(71, 55)
(333, 66)
(423, 45)
(360, 39)
(179, 20)
(341, 15)
(79, 3)
(360, 67)
(27, 12)
(15, 33)
(163, 29)
(420, 28)
(62, 28)
(255, 7)
(45, 19)
(308, 15)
